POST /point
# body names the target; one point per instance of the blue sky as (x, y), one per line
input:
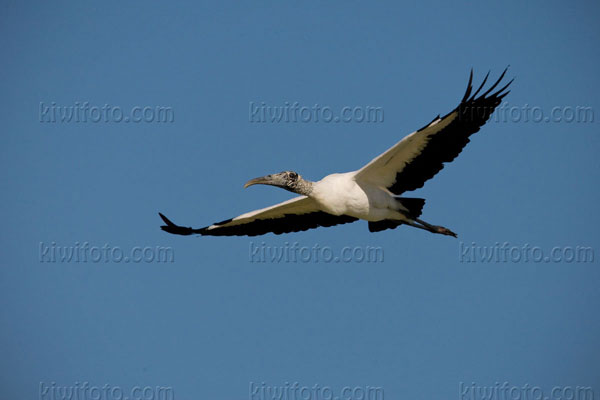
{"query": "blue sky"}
(213, 321)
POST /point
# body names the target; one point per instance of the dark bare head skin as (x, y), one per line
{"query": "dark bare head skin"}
(288, 180)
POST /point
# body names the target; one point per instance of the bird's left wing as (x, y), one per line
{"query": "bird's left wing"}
(294, 215)
(419, 156)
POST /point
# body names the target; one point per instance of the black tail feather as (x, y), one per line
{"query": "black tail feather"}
(379, 226)
(414, 205)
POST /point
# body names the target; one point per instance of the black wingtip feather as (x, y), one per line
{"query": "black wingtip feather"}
(165, 219)
(495, 84)
(498, 93)
(469, 87)
(481, 86)
(170, 227)
(503, 94)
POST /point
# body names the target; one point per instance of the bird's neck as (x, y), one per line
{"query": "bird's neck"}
(303, 187)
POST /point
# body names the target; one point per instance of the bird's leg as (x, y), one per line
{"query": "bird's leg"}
(435, 228)
(414, 224)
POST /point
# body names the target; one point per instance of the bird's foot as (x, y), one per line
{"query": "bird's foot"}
(444, 231)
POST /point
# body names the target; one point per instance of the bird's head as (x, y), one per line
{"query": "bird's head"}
(288, 180)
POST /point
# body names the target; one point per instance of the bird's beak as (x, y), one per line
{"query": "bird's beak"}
(263, 180)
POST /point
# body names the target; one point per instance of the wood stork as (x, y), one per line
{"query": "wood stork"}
(373, 192)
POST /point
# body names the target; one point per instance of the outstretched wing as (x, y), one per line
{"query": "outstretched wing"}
(419, 156)
(294, 215)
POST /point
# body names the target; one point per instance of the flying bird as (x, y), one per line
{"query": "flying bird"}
(374, 192)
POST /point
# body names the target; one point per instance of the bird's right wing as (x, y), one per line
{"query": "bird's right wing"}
(422, 154)
(294, 215)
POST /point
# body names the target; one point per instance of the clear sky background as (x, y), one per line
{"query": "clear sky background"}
(213, 321)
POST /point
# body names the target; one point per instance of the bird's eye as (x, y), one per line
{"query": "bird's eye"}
(293, 175)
